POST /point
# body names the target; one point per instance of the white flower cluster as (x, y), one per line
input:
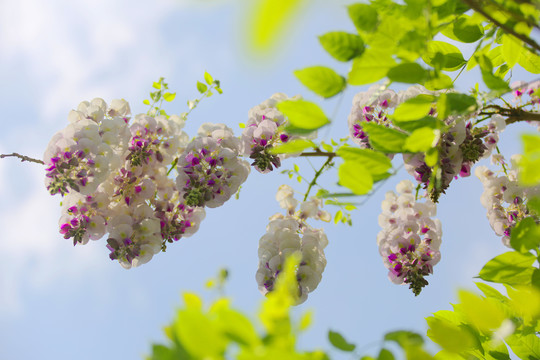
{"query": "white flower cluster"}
(112, 171)
(410, 239)
(504, 199)
(459, 148)
(265, 130)
(373, 106)
(291, 234)
(209, 171)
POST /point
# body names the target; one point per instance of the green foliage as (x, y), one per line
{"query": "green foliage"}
(292, 147)
(443, 56)
(385, 139)
(415, 108)
(530, 162)
(338, 341)
(510, 268)
(221, 332)
(354, 176)
(370, 67)
(321, 80)
(341, 45)
(304, 116)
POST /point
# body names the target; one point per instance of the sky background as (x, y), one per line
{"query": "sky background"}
(63, 302)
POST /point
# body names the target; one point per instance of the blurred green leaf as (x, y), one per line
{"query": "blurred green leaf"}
(450, 336)
(530, 61)
(410, 73)
(385, 354)
(404, 338)
(169, 96)
(511, 50)
(415, 108)
(529, 164)
(464, 29)
(201, 87)
(341, 45)
(421, 140)
(338, 341)
(443, 56)
(208, 78)
(363, 16)
(292, 147)
(375, 162)
(321, 80)
(385, 139)
(355, 177)
(525, 235)
(371, 66)
(455, 104)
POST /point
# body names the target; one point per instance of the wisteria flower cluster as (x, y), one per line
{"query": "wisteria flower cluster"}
(264, 130)
(113, 173)
(504, 198)
(287, 234)
(410, 239)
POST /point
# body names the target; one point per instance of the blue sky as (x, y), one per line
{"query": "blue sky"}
(60, 302)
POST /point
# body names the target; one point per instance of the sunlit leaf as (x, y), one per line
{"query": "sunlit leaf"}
(525, 346)
(455, 104)
(371, 66)
(292, 147)
(510, 268)
(303, 114)
(511, 49)
(355, 177)
(375, 162)
(450, 336)
(525, 235)
(341, 45)
(321, 80)
(530, 61)
(415, 108)
(529, 164)
(464, 29)
(422, 139)
(385, 139)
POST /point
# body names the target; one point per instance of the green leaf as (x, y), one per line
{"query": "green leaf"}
(208, 78)
(426, 121)
(450, 336)
(484, 314)
(464, 29)
(146, 102)
(169, 97)
(156, 85)
(491, 292)
(422, 140)
(443, 56)
(494, 82)
(455, 104)
(341, 45)
(375, 162)
(321, 80)
(404, 338)
(292, 147)
(510, 268)
(385, 139)
(525, 346)
(529, 164)
(371, 66)
(533, 205)
(438, 81)
(385, 354)
(303, 115)
(363, 16)
(355, 177)
(201, 87)
(530, 61)
(511, 49)
(409, 73)
(525, 236)
(415, 108)
(338, 341)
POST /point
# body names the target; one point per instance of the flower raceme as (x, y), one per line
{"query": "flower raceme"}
(288, 234)
(410, 239)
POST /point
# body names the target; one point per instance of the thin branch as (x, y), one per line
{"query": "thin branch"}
(317, 174)
(318, 153)
(478, 8)
(23, 158)
(513, 114)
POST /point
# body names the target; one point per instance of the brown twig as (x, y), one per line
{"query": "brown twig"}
(479, 9)
(23, 158)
